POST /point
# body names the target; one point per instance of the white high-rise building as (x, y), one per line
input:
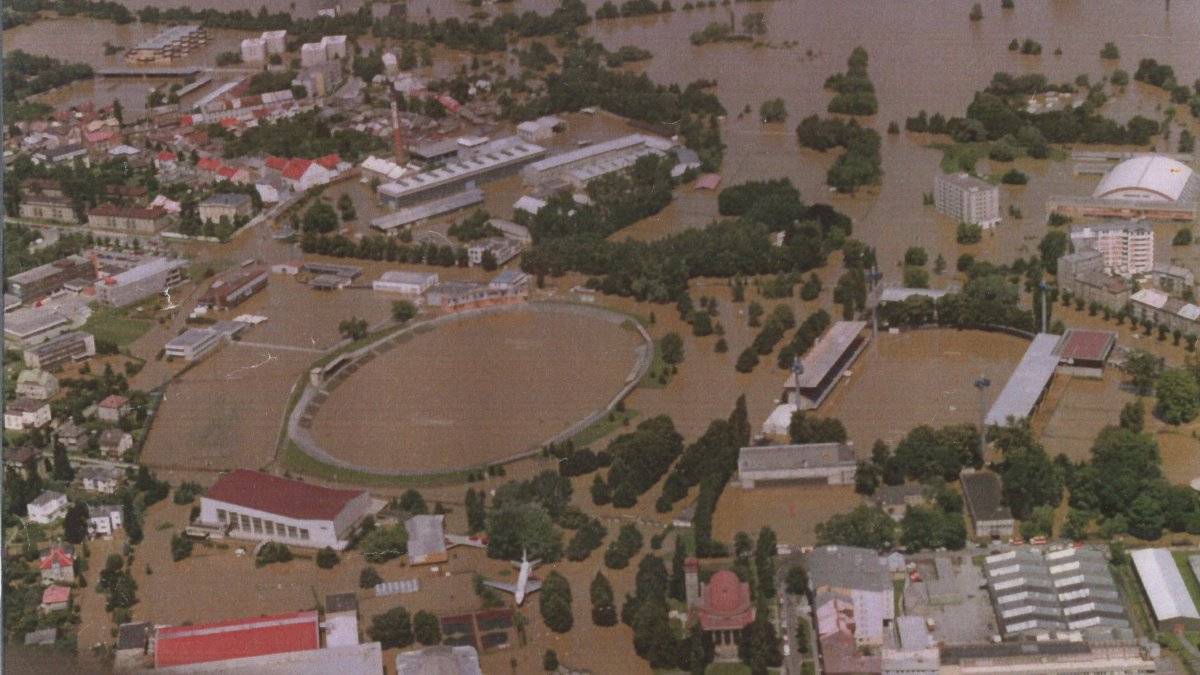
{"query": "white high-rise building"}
(254, 50)
(1127, 246)
(967, 198)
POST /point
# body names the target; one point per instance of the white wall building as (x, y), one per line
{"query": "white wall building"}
(831, 463)
(1127, 246)
(254, 50)
(193, 344)
(104, 520)
(408, 283)
(26, 413)
(259, 506)
(47, 507)
(966, 198)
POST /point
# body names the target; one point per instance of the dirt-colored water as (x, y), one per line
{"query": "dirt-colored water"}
(476, 390)
(792, 510)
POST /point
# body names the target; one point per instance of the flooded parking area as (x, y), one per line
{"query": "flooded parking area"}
(476, 390)
(920, 377)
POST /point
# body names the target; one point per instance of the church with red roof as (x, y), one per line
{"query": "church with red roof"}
(722, 606)
(262, 507)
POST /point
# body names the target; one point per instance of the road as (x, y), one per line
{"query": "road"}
(790, 607)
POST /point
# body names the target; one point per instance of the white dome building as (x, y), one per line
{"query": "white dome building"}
(1148, 178)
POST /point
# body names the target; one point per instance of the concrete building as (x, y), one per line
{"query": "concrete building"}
(168, 45)
(341, 620)
(854, 605)
(1028, 382)
(51, 277)
(1082, 275)
(1144, 186)
(895, 500)
(1127, 246)
(72, 346)
(134, 219)
(589, 160)
(103, 520)
(1035, 591)
(102, 479)
(910, 649)
(55, 599)
(41, 207)
(1172, 279)
(457, 660)
(426, 539)
(1161, 309)
(540, 129)
(72, 436)
(829, 463)
(231, 290)
(148, 278)
(47, 507)
(514, 281)
(1164, 587)
(393, 223)
(254, 50)
(228, 205)
(967, 199)
(1048, 657)
(983, 493)
(275, 41)
(36, 384)
(26, 413)
(496, 159)
(132, 647)
(259, 506)
(235, 639)
(407, 283)
(502, 249)
(30, 326)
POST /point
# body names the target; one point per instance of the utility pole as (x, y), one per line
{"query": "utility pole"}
(797, 371)
(1045, 317)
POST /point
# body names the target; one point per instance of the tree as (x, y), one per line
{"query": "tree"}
(476, 511)
(272, 552)
(916, 256)
(773, 110)
(369, 578)
(1146, 517)
(796, 581)
(976, 12)
(1052, 247)
(671, 348)
(403, 311)
(426, 628)
(1143, 368)
(75, 523)
(764, 561)
(320, 218)
(327, 558)
(412, 502)
(805, 429)
(604, 609)
(864, 526)
(1110, 51)
(385, 543)
(1178, 396)
(516, 528)
(678, 584)
(353, 328)
(550, 661)
(392, 629)
(555, 603)
(968, 233)
(600, 493)
(1133, 416)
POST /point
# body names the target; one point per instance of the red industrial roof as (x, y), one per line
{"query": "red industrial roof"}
(281, 496)
(1086, 345)
(725, 603)
(329, 161)
(56, 594)
(295, 168)
(238, 638)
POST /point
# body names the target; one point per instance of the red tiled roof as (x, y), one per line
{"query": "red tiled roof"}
(152, 213)
(99, 136)
(237, 638)
(208, 164)
(56, 594)
(295, 168)
(113, 401)
(281, 496)
(56, 554)
(276, 163)
(329, 161)
(185, 121)
(1087, 345)
(166, 156)
(725, 603)
(229, 122)
(227, 171)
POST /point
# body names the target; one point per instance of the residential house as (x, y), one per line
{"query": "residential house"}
(57, 564)
(102, 479)
(855, 606)
(895, 500)
(133, 219)
(55, 599)
(227, 205)
(26, 413)
(72, 436)
(115, 442)
(36, 384)
(47, 507)
(103, 520)
(19, 458)
(113, 408)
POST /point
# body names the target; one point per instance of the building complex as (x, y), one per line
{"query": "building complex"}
(967, 199)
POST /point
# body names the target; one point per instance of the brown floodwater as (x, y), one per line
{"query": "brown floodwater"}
(476, 390)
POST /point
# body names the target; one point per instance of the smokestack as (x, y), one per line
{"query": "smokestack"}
(401, 156)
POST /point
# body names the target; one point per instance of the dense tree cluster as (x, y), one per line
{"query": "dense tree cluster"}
(640, 458)
(865, 526)
(474, 226)
(855, 92)
(805, 337)
(19, 12)
(26, 74)
(382, 247)
(1031, 479)
(305, 135)
(586, 539)
(859, 165)
(620, 550)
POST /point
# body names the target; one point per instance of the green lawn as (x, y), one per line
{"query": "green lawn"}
(111, 326)
(1189, 578)
(296, 461)
(603, 428)
(650, 380)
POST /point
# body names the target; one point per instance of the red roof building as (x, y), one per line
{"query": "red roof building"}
(237, 638)
(56, 595)
(56, 556)
(208, 164)
(1085, 352)
(259, 506)
(725, 603)
(276, 163)
(295, 168)
(329, 161)
(165, 156)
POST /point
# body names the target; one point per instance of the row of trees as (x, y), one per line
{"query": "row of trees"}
(382, 247)
(855, 92)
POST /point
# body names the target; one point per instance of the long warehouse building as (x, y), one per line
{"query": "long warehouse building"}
(1027, 384)
(500, 158)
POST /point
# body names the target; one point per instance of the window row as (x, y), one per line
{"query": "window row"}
(241, 521)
